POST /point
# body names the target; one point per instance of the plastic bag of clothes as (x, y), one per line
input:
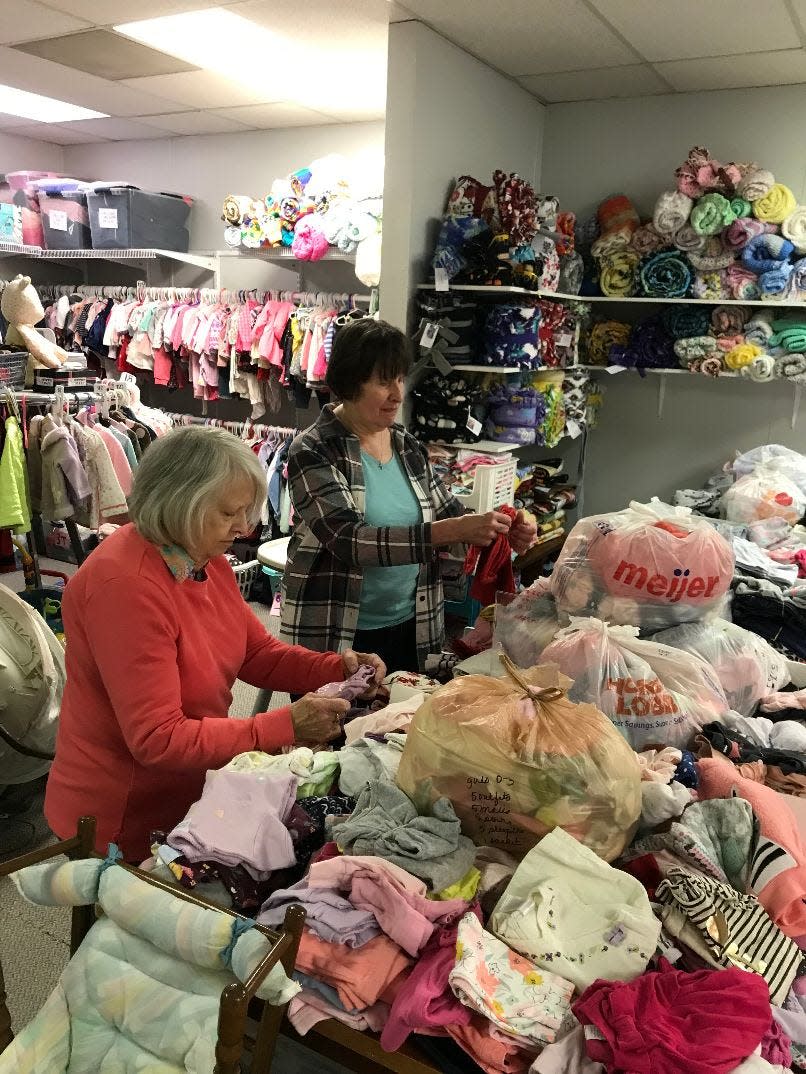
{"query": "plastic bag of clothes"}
(767, 492)
(654, 694)
(517, 758)
(651, 566)
(776, 457)
(747, 666)
(526, 623)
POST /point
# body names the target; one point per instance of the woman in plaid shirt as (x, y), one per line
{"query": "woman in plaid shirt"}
(371, 515)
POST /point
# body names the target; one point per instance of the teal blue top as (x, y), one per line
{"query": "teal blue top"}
(388, 593)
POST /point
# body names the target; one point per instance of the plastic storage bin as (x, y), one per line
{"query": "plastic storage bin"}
(493, 486)
(10, 223)
(124, 217)
(65, 216)
(26, 196)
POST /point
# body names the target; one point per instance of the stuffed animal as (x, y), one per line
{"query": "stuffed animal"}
(22, 309)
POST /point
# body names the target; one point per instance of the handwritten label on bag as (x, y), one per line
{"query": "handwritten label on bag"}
(108, 218)
(58, 220)
(490, 803)
(429, 336)
(441, 282)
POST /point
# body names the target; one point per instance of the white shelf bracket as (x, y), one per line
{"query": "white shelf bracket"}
(796, 403)
(661, 394)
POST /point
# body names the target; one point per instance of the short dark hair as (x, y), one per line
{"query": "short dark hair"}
(364, 347)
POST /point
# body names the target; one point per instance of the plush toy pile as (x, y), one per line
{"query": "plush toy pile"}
(726, 231)
(505, 234)
(312, 210)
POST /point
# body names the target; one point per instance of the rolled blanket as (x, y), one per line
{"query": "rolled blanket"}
(794, 228)
(766, 252)
(741, 231)
(617, 214)
(686, 322)
(618, 274)
(235, 208)
(572, 271)
(606, 245)
(586, 231)
(650, 347)
(711, 214)
(776, 205)
(511, 434)
(791, 367)
(713, 256)
(774, 283)
(688, 240)
(796, 287)
(516, 406)
(727, 343)
(743, 283)
(711, 366)
(728, 320)
(566, 225)
(740, 207)
(761, 369)
(700, 173)
(710, 285)
(665, 275)
(742, 355)
(547, 208)
(755, 184)
(672, 210)
(789, 334)
(696, 347)
(648, 240)
(602, 337)
(759, 329)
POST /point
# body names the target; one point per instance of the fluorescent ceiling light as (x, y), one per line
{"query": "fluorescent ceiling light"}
(17, 102)
(277, 66)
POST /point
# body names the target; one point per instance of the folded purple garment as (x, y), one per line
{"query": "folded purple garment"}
(332, 917)
(351, 688)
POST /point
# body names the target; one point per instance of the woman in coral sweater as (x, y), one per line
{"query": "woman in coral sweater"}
(157, 635)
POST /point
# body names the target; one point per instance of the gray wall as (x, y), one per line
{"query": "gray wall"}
(28, 154)
(594, 149)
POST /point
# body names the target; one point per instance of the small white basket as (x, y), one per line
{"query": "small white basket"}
(493, 487)
(245, 575)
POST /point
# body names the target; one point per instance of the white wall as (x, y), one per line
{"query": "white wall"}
(594, 149)
(447, 114)
(28, 154)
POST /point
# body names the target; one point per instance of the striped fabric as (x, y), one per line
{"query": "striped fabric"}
(331, 542)
(735, 927)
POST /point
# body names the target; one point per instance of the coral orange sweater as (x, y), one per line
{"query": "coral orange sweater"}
(150, 667)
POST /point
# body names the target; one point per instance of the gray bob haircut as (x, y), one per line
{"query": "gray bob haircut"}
(179, 478)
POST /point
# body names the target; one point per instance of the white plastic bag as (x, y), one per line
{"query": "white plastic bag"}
(776, 457)
(527, 624)
(654, 694)
(747, 666)
(651, 566)
(767, 492)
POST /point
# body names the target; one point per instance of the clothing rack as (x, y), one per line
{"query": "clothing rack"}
(50, 292)
(236, 427)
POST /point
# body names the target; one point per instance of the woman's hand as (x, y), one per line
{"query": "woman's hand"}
(482, 530)
(351, 661)
(317, 719)
(523, 534)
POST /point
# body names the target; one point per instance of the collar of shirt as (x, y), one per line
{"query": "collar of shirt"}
(181, 564)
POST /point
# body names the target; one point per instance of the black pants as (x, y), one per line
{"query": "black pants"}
(396, 646)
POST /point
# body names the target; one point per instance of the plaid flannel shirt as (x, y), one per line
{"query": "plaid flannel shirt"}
(332, 542)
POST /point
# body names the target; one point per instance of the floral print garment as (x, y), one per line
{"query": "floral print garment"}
(507, 988)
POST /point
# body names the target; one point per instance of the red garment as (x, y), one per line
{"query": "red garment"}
(706, 1022)
(800, 559)
(490, 1053)
(150, 667)
(492, 565)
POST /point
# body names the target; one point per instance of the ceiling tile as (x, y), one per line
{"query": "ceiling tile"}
(690, 28)
(635, 80)
(195, 89)
(60, 133)
(106, 54)
(536, 37)
(119, 130)
(725, 72)
(32, 20)
(270, 116)
(399, 13)
(186, 123)
(108, 12)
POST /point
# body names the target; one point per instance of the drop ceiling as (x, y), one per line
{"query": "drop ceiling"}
(559, 50)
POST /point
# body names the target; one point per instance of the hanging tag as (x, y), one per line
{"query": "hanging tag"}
(442, 363)
(127, 378)
(615, 368)
(441, 282)
(565, 339)
(429, 336)
(573, 429)
(474, 425)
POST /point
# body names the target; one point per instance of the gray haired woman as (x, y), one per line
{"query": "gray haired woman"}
(157, 635)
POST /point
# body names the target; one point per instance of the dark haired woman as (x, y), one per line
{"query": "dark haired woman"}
(371, 516)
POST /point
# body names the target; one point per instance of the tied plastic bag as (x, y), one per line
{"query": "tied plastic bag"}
(767, 492)
(526, 623)
(747, 666)
(654, 694)
(651, 566)
(517, 758)
(773, 457)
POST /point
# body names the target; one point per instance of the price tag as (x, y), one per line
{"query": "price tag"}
(573, 429)
(616, 368)
(442, 363)
(429, 336)
(474, 425)
(58, 220)
(441, 282)
(565, 340)
(108, 218)
(127, 378)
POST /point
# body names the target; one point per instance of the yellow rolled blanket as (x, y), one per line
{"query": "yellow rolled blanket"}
(775, 206)
(742, 355)
(618, 274)
(235, 208)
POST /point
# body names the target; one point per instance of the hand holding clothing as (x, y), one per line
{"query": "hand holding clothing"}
(316, 719)
(522, 534)
(351, 661)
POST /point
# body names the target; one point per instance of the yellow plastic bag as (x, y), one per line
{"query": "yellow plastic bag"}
(517, 759)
